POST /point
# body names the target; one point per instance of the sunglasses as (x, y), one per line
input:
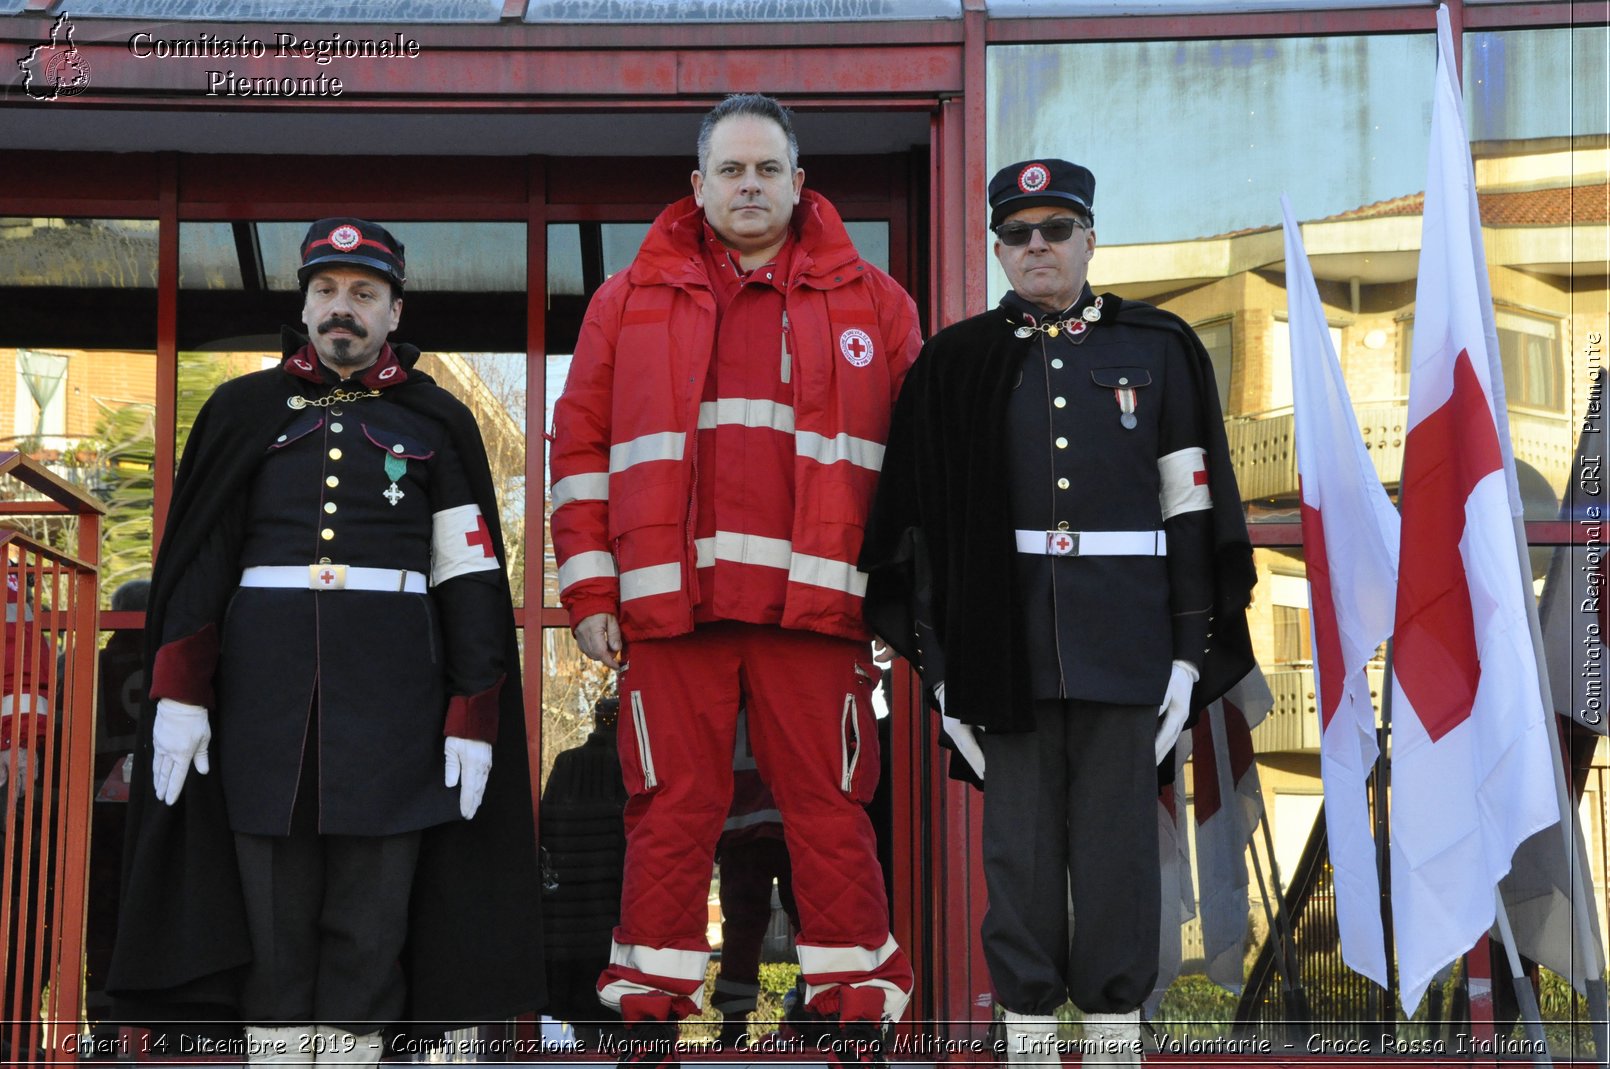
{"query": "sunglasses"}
(1054, 230)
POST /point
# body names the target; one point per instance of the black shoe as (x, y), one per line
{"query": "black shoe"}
(647, 1044)
(855, 1045)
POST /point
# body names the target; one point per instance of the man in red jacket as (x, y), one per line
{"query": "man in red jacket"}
(716, 449)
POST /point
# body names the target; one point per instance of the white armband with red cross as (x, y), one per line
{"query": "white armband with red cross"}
(460, 542)
(1184, 482)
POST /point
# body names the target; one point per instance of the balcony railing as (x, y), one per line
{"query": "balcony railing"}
(1264, 447)
(1292, 726)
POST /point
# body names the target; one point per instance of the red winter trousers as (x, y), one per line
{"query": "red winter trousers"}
(812, 729)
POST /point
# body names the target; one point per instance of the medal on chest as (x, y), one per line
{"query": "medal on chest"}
(1126, 407)
(396, 468)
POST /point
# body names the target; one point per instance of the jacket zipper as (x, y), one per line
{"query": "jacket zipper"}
(787, 360)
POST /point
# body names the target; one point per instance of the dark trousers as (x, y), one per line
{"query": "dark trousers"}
(328, 915)
(748, 868)
(1070, 816)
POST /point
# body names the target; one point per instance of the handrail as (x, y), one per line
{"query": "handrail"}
(31, 473)
(10, 535)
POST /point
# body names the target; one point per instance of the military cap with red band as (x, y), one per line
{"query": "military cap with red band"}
(1035, 183)
(352, 241)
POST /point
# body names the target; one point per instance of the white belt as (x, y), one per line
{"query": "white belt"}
(1094, 543)
(334, 577)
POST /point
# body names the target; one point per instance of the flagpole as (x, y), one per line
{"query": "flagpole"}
(1295, 1005)
(1383, 849)
(1525, 997)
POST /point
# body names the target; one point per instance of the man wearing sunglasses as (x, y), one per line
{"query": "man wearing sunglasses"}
(1058, 546)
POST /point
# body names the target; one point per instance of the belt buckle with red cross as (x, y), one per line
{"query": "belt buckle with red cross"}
(326, 576)
(1062, 543)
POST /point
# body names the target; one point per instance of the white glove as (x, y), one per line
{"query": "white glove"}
(24, 767)
(179, 736)
(1176, 707)
(471, 761)
(962, 735)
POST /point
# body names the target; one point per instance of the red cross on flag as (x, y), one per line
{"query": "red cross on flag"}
(1350, 542)
(1471, 774)
(1229, 804)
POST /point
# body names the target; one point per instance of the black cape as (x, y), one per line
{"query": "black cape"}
(939, 545)
(474, 949)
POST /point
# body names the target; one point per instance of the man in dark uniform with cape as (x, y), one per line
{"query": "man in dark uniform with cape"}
(331, 627)
(1058, 546)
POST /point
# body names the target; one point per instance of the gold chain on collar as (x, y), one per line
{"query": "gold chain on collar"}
(1072, 324)
(333, 397)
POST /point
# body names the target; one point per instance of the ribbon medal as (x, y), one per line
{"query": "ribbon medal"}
(396, 468)
(1126, 406)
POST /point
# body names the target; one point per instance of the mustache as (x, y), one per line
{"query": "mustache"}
(337, 323)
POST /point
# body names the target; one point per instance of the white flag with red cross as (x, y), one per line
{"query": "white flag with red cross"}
(1470, 758)
(1350, 543)
(1229, 804)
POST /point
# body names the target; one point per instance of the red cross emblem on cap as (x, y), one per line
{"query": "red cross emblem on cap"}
(345, 237)
(1033, 178)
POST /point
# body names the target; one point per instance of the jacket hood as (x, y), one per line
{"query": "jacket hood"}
(670, 253)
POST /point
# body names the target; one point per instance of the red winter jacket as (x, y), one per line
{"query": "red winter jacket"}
(624, 456)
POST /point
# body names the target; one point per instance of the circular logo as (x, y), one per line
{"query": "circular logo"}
(345, 238)
(856, 345)
(67, 73)
(1033, 178)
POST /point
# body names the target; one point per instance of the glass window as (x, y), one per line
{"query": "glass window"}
(580, 257)
(299, 11)
(871, 241)
(78, 253)
(1218, 338)
(738, 10)
(78, 372)
(1533, 360)
(1332, 120)
(1538, 117)
(1022, 9)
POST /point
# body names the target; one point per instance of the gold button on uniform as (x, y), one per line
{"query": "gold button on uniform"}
(331, 480)
(1062, 484)
(329, 506)
(1062, 443)
(327, 534)
(1060, 402)
(335, 454)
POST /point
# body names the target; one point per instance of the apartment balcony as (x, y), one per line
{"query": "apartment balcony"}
(1264, 451)
(1292, 726)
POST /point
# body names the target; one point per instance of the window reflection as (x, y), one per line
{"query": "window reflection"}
(78, 373)
(1187, 218)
